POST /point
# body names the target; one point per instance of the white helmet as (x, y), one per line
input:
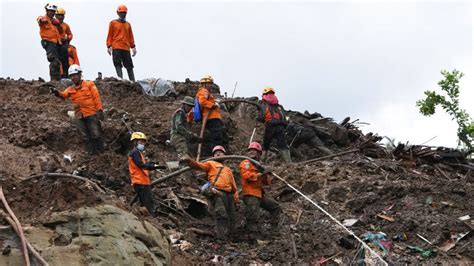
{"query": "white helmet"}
(51, 7)
(74, 69)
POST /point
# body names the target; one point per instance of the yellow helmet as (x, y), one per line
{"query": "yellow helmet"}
(60, 11)
(138, 135)
(268, 90)
(207, 79)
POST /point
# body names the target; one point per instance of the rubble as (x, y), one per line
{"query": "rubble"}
(363, 184)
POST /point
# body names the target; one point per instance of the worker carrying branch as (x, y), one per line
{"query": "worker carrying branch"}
(119, 42)
(221, 191)
(253, 193)
(139, 172)
(51, 40)
(273, 116)
(87, 109)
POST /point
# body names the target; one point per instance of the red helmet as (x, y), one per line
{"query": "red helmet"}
(218, 148)
(122, 8)
(256, 146)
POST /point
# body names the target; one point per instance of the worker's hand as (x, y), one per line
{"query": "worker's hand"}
(55, 21)
(109, 50)
(157, 166)
(100, 115)
(54, 91)
(196, 138)
(184, 161)
(43, 20)
(134, 51)
(267, 170)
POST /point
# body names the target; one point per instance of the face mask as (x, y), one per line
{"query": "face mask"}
(140, 146)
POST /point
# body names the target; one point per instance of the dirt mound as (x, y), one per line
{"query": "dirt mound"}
(408, 193)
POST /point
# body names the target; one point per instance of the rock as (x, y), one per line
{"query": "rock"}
(338, 194)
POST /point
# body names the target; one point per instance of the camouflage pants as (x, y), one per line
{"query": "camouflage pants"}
(180, 145)
(252, 211)
(222, 209)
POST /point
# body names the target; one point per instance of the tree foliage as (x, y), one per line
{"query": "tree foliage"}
(450, 103)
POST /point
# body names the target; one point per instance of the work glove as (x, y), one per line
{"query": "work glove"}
(100, 115)
(157, 166)
(109, 50)
(54, 91)
(134, 51)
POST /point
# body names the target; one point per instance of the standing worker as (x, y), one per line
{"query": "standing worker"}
(273, 116)
(65, 35)
(119, 42)
(50, 40)
(253, 194)
(73, 58)
(87, 108)
(210, 109)
(180, 133)
(139, 172)
(221, 191)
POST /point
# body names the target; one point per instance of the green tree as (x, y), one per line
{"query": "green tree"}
(450, 103)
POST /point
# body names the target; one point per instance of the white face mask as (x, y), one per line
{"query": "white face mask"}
(140, 146)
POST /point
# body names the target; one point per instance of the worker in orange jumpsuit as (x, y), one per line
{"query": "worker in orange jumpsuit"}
(50, 40)
(65, 35)
(221, 191)
(208, 105)
(73, 58)
(139, 172)
(273, 116)
(119, 42)
(87, 108)
(253, 193)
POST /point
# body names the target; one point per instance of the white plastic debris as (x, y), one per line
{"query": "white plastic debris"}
(71, 114)
(464, 218)
(67, 158)
(349, 222)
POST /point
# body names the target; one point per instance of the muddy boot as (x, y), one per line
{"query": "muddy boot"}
(119, 71)
(98, 145)
(90, 148)
(286, 156)
(131, 75)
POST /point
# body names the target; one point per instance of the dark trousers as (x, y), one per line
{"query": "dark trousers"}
(122, 58)
(52, 54)
(215, 128)
(91, 133)
(222, 209)
(274, 132)
(252, 211)
(145, 197)
(64, 58)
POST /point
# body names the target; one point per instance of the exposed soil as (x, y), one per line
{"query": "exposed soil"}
(36, 134)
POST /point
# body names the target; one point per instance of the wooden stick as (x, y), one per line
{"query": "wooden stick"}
(201, 135)
(294, 247)
(329, 156)
(18, 225)
(253, 134)
(30, 247)
(92, 183)
(442, 172)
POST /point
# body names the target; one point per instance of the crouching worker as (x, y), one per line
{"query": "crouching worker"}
(221, 191)
(87, 109)
(139, 172)
(253, 193)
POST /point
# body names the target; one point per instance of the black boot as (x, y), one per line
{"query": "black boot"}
(98, 145)
(90, 148)
(119, 71)
(131, 75)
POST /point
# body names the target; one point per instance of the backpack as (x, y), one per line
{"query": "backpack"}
(276, 113)
(197, 111)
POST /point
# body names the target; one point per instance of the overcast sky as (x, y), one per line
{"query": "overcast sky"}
(366, 60)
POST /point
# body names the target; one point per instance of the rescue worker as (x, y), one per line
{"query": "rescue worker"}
(273, 116)
(180, 133)
(221, 191)
(208, 104)
(73, 58)
(65, 35)
(253, 193)
(87, 108)
(139, 172)
(119, 42)
(50, 40)
(299, 134)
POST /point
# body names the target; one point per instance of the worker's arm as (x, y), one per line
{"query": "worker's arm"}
(131, 38)
(42, 20)
(235, 191)
(96, 97)
(110, 35)
(68, 33)
(137, 160)
(204, 167)
(248, 172)
(261, 113)
(63, 94)
(204, 99)
(180, 121)
(74, 56)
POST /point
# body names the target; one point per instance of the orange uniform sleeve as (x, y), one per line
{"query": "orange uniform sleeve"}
(96, 97)
(235, 190)
(64, 94)
(204, 99)
(205, 167)
(131, 38)
(248, 171)
(267, 179)
(110, 34)
(68, 33)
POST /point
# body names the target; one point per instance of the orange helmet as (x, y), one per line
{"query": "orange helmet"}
(218, 148)
(268, 90)
(256, 146)
(122, 8)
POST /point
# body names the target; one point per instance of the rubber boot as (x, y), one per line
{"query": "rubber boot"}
(119, 71)
(131, 75)
(286, 156)
(90, 148)
(98, 145)
(264, 157)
